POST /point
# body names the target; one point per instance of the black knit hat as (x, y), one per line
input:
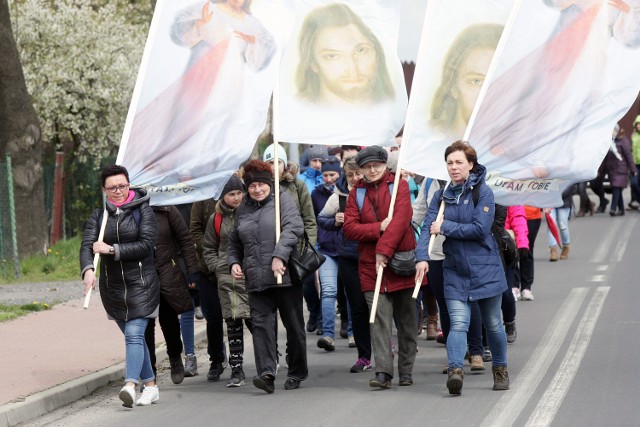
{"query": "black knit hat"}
(374, 153)
(258, 176)
(233, 184)
(331, 164)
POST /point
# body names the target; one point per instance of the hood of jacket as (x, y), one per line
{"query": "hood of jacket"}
(342, 186)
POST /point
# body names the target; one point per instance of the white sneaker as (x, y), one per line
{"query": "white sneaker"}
(527, 295)
(127, 395)
(149, 395)
(516, 294)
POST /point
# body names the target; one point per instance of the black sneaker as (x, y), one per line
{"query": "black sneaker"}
(264, 382)
(406, 380)
(237, 378)
(381, 380)
(291, 384)
(312, 325)
(512, 333)
(215, 371)
(177, 369)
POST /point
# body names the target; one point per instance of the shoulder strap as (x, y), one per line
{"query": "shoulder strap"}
(136, 215)
(217, 223)
(360, 192)
(475, 194)
(427, 186)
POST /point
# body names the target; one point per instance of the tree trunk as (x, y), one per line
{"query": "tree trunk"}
(20, 138)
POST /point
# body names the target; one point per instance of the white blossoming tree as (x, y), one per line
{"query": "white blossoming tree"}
(80, 61)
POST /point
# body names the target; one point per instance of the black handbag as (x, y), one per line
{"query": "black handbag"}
(304, 263)
(403, 263)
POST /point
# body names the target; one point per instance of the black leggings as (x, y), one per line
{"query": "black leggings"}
(348, 272)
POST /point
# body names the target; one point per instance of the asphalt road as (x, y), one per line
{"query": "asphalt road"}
(574, 363)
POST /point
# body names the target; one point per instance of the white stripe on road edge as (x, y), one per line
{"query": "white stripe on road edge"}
(512, 402)
(605, 247)
(602, 267)
(622, 245)
(552, 398)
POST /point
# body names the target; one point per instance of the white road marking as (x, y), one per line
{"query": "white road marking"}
(604, 247)
(512, 402)
(548, 406)
(622, 244)
(602, 268)
(598, 278)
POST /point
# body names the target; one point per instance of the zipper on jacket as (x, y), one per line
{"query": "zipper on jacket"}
(124, 282)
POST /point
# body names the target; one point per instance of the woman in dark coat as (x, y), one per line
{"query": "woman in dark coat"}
(472, 266)
(254, 255)
(618, 163)
(173, 235)
(379, 239)
(129, 285)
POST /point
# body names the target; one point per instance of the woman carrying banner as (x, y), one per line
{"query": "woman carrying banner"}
(254, 255)
(366, 220)
(472, 265)
(129, 285)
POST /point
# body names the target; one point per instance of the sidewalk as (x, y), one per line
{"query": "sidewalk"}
(52, 358)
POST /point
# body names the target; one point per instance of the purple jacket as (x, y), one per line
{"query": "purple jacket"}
(618, 170)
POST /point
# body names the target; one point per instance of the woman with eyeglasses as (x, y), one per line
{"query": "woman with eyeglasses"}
(129, 285)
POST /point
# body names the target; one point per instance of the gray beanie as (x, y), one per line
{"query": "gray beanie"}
(375, 153)
(317, 152)
(234, 183)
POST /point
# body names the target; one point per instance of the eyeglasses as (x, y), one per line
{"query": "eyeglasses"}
(373, 166)
(115, 188)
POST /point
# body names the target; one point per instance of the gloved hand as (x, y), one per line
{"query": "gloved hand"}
(523, 252)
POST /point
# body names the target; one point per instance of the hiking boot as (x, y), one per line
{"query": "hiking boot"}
(190, 365)
(326, 343)
(381, 380)
(361, 365)
(177, 369)
(454, 381)
(565, 251)
(149, 395)
(554, 254)
(264, 382)
(127, 395)
(406, 380)
(527, 295)
(432, 327)
(291, 384)
(237, 377)
(477, 364)
(500, 378)
(215, 371)
(344, 325)
(487, 356)
(512, 333)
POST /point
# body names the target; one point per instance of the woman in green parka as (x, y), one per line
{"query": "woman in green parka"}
(232, 292)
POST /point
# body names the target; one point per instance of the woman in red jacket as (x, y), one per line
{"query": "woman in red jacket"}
(365, 220)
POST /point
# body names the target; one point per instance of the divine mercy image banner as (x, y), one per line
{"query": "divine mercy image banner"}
(341, 81)
(202, 95)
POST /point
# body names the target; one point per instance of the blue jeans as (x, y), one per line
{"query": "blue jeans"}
(137, 362)
(328, 294)
(561, 217)
(460, 314)
(186, 326)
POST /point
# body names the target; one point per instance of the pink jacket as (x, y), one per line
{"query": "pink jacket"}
(517, 221)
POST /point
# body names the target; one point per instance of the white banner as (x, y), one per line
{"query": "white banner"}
(458, 42)
(341, 81)
(566, 71)
(202, 94)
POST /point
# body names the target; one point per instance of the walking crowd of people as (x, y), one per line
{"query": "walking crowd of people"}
(470, 258)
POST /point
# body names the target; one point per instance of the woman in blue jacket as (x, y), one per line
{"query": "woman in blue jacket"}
(472, 266)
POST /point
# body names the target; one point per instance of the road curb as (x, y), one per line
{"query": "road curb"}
(56, 397)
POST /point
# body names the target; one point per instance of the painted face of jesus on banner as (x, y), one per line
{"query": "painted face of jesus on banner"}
(341, 81)
(341, 60)
(463, 74)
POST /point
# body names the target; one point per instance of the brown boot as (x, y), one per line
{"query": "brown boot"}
(500, 378)
(432, 327)
(565, 251)
(477, 364)
(454, 381)
(554, 254)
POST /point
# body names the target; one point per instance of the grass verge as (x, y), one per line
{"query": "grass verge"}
(8, 312)
(61, 263)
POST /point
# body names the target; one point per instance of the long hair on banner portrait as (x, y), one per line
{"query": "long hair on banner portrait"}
(458, 43)
(341, 81)
(202, 94)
